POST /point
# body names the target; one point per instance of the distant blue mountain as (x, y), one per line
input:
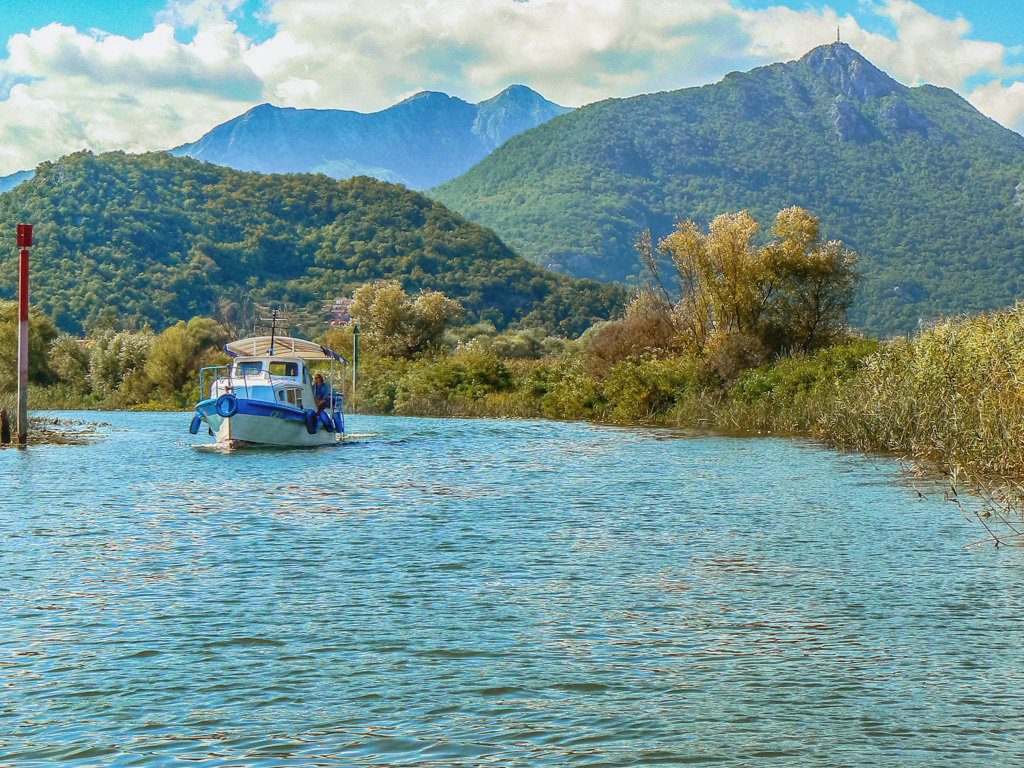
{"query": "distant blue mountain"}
(8, 183)
(421, 142)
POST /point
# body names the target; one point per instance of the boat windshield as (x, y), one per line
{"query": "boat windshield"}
(284, 369)
(248, 368)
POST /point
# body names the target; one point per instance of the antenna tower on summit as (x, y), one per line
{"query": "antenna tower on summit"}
(837, 35)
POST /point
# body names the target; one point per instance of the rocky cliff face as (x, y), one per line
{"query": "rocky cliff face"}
(849, 73)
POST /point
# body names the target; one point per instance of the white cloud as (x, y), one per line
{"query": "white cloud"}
(931, 49)
(1004, 104)
(573, 51)
(576, 51)
(210, 63)
(97, 91)
(194, 13)
(69, 89)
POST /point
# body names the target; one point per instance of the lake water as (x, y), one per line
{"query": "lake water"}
(464, 593)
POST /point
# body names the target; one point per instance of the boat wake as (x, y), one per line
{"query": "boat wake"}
(232, 446)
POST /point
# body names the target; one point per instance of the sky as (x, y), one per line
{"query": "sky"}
(152, 74)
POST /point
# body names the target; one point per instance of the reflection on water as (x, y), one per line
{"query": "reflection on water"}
(459, 593)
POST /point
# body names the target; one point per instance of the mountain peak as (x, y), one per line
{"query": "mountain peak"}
(850, 73)
(428, 97)
(424, 140)
(517, 91)
(511, 112)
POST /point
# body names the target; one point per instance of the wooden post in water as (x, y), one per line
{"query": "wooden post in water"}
(24, 242)
(5, 427)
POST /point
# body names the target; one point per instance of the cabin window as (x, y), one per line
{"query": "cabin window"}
(284, 369)
(248, 368)
(291, 395)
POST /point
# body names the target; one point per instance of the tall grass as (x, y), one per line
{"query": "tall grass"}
(951, 399)
(953, 396)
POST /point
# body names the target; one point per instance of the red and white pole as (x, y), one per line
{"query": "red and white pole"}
(24, 242)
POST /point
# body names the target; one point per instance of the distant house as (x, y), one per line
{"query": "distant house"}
(339, 310)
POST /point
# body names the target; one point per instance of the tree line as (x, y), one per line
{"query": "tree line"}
(739, 305)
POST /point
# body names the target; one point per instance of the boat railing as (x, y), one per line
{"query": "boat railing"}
(214, 372)
(211, 374)
(211, 371)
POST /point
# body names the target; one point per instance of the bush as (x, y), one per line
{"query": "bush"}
(116, 355)
(951, 396)
(448, 385)
(69, 360)
(396, 325)
(571, 393)
(513, 345)
(825, 371)
(731, 352)
(647, 330)
(174, 357)
(649, 389)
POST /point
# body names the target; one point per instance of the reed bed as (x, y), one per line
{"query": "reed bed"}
(953, 396)
(952, 400)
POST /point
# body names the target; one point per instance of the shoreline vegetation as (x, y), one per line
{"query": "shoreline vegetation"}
(756, 342)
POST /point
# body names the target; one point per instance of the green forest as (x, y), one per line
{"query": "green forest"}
(147, 240)
(920, 184)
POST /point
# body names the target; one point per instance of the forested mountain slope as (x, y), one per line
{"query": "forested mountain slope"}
(154, 239)
(923, 186)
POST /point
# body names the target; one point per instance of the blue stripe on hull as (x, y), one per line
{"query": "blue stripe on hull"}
(207, 410)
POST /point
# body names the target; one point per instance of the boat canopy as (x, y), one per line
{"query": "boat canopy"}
(284, 346)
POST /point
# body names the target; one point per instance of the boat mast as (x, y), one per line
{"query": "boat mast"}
(262, 321)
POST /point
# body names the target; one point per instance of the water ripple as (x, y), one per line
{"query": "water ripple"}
(494, 593)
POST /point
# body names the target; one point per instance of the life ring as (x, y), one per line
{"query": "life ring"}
(227, 405)
(197, 420)
(312, 422)
(325, 419)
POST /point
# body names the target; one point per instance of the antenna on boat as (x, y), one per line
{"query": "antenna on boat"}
(264, 324)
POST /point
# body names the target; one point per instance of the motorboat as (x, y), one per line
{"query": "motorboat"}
(265, 395)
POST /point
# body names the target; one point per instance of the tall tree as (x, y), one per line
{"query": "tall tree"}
(397, 325)
(791, 294)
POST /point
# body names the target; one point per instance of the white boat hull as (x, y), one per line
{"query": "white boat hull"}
(252, 422)
(266, 430)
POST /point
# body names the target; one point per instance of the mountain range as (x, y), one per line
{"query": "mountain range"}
(926, 189)
(420, 142)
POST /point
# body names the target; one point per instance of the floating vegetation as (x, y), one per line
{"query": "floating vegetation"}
(59, 431)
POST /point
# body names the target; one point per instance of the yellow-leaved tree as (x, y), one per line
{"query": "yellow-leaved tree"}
(741, 303)
(394, 324)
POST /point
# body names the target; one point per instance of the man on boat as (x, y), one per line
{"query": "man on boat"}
(321, 393)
